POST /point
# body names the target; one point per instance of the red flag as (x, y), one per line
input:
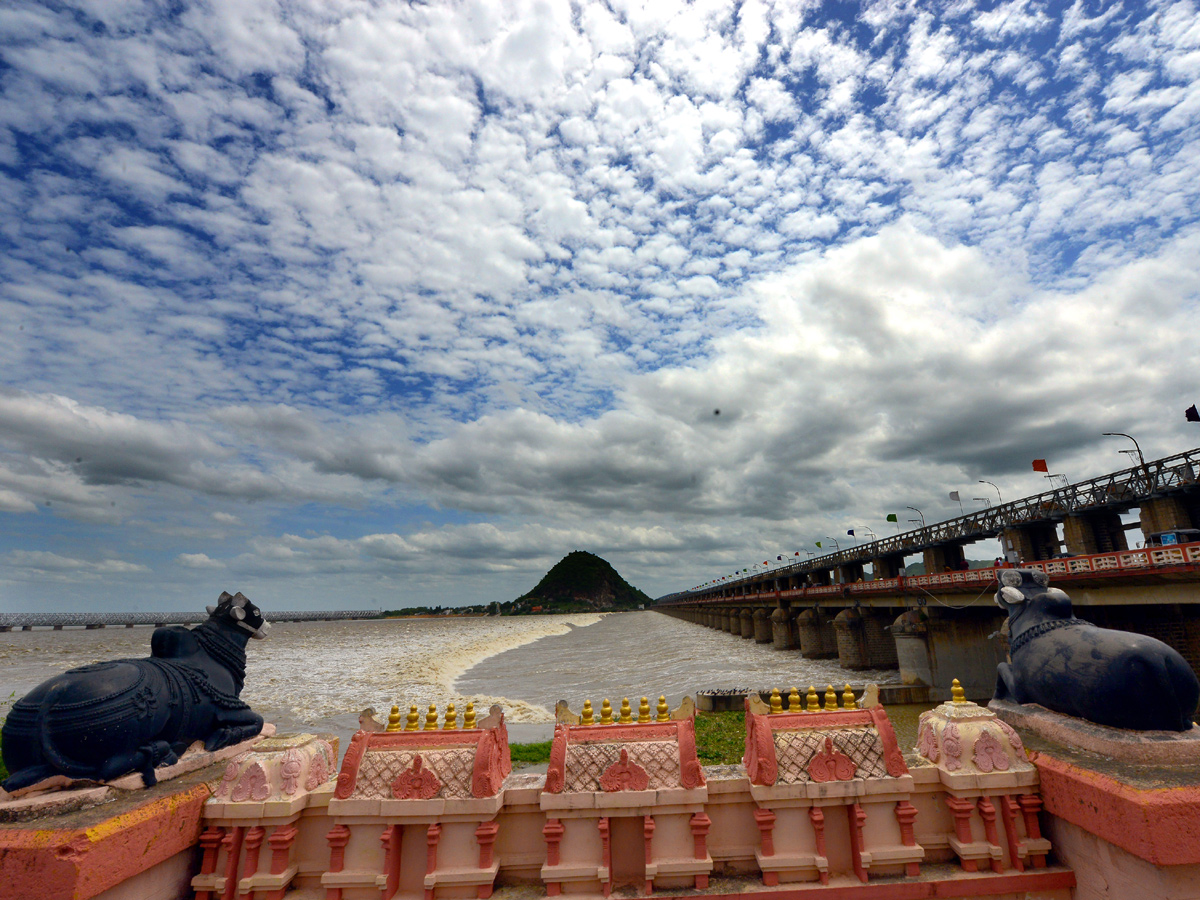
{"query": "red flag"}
(1039, 465)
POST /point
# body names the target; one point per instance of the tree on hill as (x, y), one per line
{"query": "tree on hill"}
(580, 582)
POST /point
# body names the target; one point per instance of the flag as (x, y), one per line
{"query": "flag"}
(892, 517)
(818, 543)
(850, 531)
(765, 563)
(954, 495)
(1190, 414)
(797, 553)
(1039, 465)
(780, 558)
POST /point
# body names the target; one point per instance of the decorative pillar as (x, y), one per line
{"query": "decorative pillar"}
(338, 838)
(233, 849)
(987, 812)
(1031, 805)
(766, 828)
(485, 836)
(254, 840)
(858, 818)
(431, 839)
(391, 840)
(648, 834)
(553, 832)
(700, 825)
(906, 815)
(817, 816)
(962, 810)
(605, 852)
(1008, 810)
(210, 842)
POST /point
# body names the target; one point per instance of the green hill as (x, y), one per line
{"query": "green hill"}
(580, 582)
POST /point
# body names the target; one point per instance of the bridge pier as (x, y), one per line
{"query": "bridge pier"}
(1164, 514)
(746, 621)
(1029, 543)
(863, 641)
(1094, 532)
(888, 566)
(851, 572)
(93, 626)
(933, 648)
(762, 626)
(783, 634)
(815, 635)
(30, 628)
(943, 557)
(128, 624)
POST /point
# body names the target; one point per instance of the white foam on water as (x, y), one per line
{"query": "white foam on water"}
(315, 673)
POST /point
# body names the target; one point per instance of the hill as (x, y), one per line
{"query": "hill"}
(579, 582)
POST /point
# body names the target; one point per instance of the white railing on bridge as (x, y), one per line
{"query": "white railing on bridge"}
(1116, 562)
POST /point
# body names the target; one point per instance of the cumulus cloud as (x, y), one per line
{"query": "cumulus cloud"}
(318, 274)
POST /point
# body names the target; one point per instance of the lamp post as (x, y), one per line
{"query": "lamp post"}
(919, 513)
(986, 501)
(998, 497)
(836, 545)
(1138, 449)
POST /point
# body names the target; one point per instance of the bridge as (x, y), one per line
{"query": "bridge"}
(91, 620)
(944, 624)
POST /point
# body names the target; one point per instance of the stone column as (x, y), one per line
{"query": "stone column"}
(782, 629)
(851, 640)
(747, 622)
(1164, 514)
(816, 635)
(762, 626)
(942, 557)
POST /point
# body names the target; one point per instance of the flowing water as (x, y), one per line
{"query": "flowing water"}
(318, 676)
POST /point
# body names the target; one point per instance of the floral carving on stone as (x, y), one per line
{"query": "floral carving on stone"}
(831, 765)
(416, 783)
(989, 754)
(318, 772)
(952, 747)
(289, 771)
(927, 744)
(253, 785)
(1011, 734)
(624, 776)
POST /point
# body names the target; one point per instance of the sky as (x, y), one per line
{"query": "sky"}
(356, 305)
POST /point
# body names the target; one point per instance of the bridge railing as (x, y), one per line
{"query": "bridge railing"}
(1094, 563)
(1124, 488)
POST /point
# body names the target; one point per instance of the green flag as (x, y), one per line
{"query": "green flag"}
(818, 543)
(892, 517)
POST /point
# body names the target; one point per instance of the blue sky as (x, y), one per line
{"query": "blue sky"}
(346, 304)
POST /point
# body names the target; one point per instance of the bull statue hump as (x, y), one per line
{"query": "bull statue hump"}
(107, 719)
(1114, 678)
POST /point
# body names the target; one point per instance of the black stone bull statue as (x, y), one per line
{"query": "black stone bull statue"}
(104, 720)
(1114, 678)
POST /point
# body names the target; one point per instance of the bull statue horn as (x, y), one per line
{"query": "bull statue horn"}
(225, 597)
(239, 599)
(210, 610)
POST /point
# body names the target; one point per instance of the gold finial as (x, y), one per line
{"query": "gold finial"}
(451, 718)
(414, 719)
(605, 712)
(794, 700)
(626, 712)
(394, 719)
(586, 718)
(469, 715)
(830, 697)
(776, 702)
(644, 710)
(664, 711)
(957, 694)
(848, 701)
(814, 704)
(431, 718)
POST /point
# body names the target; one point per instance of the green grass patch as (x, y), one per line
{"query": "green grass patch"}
(720, 737)
(530, 754)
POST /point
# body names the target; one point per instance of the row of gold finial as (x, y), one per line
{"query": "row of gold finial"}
(413, 722)
(812, 702)
(661, 713)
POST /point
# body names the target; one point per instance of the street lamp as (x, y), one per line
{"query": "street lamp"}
(835, 543)
(1141, 459)
(986, 501)
(919, 513)
(998, 497)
